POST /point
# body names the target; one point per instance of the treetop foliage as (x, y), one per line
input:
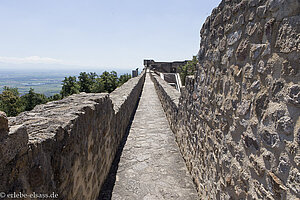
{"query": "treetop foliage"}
(188, 69)
(12, 103)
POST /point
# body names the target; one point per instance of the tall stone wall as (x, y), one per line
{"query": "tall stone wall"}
(66, 146)
(237, 123)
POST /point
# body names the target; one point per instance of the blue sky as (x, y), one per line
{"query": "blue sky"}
(111, 34)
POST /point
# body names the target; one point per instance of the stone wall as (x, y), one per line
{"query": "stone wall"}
(165, 67)
(66, 146)
(237, 121)
(169, 97)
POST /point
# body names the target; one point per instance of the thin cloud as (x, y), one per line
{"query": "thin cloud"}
(35, 63)
(30, 60)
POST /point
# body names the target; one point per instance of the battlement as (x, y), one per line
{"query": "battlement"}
(164, 67)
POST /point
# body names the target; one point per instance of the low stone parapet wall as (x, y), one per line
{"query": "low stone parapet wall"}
(169, 98)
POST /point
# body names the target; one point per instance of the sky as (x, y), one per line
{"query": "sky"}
(110, 34)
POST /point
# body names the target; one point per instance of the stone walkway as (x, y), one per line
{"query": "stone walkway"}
(151, 166)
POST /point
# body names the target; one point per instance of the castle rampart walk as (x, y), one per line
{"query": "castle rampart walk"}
(151, 166)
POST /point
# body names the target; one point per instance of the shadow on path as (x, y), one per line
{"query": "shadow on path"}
(109, 183)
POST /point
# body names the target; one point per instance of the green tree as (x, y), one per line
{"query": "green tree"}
(69, 86)
(104, 78)
(188, 69)
(109, 80)
(113, 81)
(55, 97)
(98, 86)
(123, 78)
(93, 76)
(10, 101)
(86, 81)
(31, 99)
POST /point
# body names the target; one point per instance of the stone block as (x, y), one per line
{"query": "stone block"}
(277, 87)
(255, 50)
(268, 29)
(294, 181)
(248, 71)
(283, 8)
(15, 143)
(242, 50)
(285, 124)
(276, 184)
(288, 69)
(297, 138)
(256, 86)
(243, 108)
(261, 67)
(269, 138)
(3, 125)
(288, 39)
(234, 37)
(261, 11)
(293, 96)
(251, 28)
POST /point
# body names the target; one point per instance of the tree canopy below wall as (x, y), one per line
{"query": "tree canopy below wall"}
(12, 103)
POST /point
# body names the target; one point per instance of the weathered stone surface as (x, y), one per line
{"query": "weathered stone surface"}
(277, 87)
(255, 86)
(260, 11)
(298, 136)
(3, 125)
(248, 71)
(270, 139)
(288, 39)
(285, 125)
(243, 108)
(3, 122)
(276, 185)
(256, 50)
(234, 37)
(283, 8)
(294, 181)
(242, 50)
(218, 19)
(294, 95)
(251, 28)
(288, 69)
(15, 143)
(261, 67)
(269, 29)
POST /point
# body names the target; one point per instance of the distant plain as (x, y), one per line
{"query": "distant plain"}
(44, 82)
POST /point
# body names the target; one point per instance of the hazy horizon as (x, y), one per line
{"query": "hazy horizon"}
(42, 68)
(48, 82)
(99, 34)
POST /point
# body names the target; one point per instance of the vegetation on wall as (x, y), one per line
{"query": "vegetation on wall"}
(188, 69)
(12, 103)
